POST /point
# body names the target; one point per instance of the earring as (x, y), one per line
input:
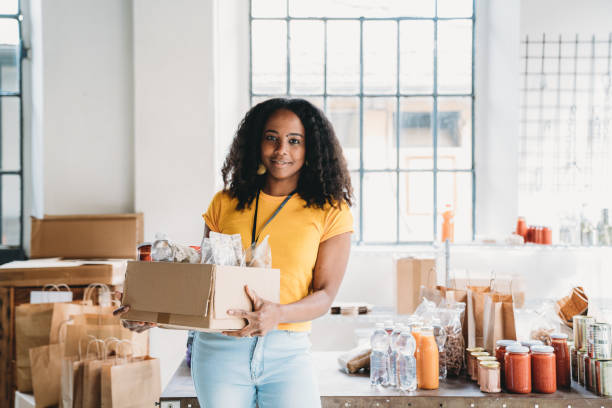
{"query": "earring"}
(261, 170)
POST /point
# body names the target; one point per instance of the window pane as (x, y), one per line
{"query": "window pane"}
(416, 206)
(416, 57)
(9, 55)
(379, 207)
(344, 116)
(9, 6)
(9, 133)
(356, 205)
(455, 56)
(379, 57)
(358, 8)
(416, 133)
(343, 57)
(269, 8)
(307, 55)
(455, 189)
(11, 203)
(455, 8)
(454, 133)
(379, 138)
(269, 40)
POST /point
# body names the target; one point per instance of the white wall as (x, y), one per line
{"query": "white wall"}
(555, 17)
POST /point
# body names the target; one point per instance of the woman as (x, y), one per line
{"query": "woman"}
(285, 177)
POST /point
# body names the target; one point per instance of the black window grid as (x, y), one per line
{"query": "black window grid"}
(397, 95)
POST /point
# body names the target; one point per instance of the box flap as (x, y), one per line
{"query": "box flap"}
(166, 287)
(229, 290)
(86, 236)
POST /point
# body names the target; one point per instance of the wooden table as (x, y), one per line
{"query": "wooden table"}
(342, 390)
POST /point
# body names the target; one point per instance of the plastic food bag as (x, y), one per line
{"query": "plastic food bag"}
(440, 336)
(222, 249)
(544, 321)
(451, 318)
(260, 255)
(183, 253)
(426, 311)
(354, 360)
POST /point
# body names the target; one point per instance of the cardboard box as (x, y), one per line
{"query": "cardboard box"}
(194, 296)
(39, 272)
(411, 274)
(86, 236)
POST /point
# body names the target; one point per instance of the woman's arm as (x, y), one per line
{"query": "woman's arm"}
(332, 259)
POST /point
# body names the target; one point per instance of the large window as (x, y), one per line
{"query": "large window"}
(396, 79)
(11, 136)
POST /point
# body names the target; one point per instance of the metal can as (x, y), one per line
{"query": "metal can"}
(592, 382)
(581, 355)
(587, 372)
(580, 332)
(599, 340)
(574, 359)
(603, 377)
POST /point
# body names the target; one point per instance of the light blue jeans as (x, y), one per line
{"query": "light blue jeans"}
(274, 371)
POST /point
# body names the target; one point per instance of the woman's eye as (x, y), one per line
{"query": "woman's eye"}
(294, 141)
(270, 138)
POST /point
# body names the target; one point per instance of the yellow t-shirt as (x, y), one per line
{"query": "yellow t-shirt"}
(295, 234)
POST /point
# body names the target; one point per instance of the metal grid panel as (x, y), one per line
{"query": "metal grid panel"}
(325, 95)
(13, 251)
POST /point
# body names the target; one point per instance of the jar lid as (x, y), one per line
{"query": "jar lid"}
(558, 336)
(530, 343)
(486, 358)
(517, 349)
(506, 343)
(144, 244)
(490, 364)
(473, 349)
(542, 349)
(479, 353)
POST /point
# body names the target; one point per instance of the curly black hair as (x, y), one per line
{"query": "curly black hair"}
(325, 177)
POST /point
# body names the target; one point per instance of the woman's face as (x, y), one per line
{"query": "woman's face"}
(283, 145)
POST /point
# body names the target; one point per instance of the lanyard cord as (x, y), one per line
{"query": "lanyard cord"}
(255, 238)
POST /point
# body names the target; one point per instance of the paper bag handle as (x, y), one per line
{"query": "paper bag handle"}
(89, 290)
(97, 343)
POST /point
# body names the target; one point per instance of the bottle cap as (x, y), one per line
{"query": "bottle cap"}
(542, 349)
(530, 343)
(506, 343)
(517, 349)
(558, 336)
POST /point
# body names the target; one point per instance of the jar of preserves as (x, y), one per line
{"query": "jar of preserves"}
(563, 360)
(543, 369)
(468, 358)
(144, 252)
(489, 376)
(518, 370)
(474, 363)
(500, 353)
(428, 360)
(479, 361)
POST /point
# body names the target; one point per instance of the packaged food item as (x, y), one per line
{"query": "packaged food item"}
(454, 344)
(222, 249)
(260, 255)
(440, 335)
(427, 360)
(580, 324)
(144, 252)
(479, 361)
(603, 377)
(518, 370)
(599, 340)
(543, 369)
(500, 354)
(161, 250)
(474, 364)
(563, 360)
(186, 254)
(489, 375)
(468, 358)
(356, 359)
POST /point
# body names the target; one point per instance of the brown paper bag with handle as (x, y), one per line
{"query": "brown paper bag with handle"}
(83, 333)
(136, 383)
(71, 380)
(475, 315)
(498, 319)
(412, 274)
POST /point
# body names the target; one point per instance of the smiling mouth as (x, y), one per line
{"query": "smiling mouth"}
(280, 162)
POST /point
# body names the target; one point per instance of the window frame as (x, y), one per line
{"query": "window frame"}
(359, 238)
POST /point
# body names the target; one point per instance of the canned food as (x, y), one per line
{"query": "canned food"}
(587, 372)
(603, 377)
(592, 383)
(581, 355)
(580, 332)
(599, 339)
(574, 364)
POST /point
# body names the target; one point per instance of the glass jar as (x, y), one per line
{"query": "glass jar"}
(427, 360)
(543, 369)
(518, 369)
(563, 360)
(489, 376)
(474, 363)
(468, 358)
(144, 252)
(479, 361)
(500, 353)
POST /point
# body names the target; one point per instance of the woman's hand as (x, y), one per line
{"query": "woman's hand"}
(265, 316)
(132, 325)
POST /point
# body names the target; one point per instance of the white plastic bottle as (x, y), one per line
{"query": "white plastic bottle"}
(406, 363)
(392, 365)
(380, 356)
(161, 249)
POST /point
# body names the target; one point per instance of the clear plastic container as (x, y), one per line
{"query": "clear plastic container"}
(380, 356)
(406, 363)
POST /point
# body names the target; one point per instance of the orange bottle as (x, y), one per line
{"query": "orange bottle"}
(428, 361)
(448, 224)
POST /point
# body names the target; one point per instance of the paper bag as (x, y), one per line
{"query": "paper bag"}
(412, 273)
(498, 320)
(136, 384)
(46, 363)
(510, 285)
(32, 329)
(475, 315)
(92, 381)
(82, 334)
(71, 383)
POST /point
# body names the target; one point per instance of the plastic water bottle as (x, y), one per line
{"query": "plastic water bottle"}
(161, 250)
(406, 363)
(392, 365)
(379, 357)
